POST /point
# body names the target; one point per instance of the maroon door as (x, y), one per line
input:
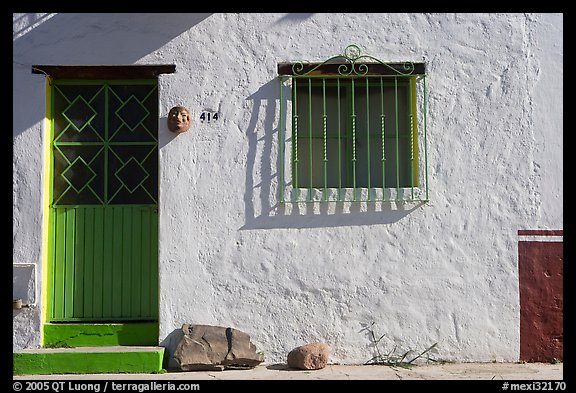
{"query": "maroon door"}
(540, 271)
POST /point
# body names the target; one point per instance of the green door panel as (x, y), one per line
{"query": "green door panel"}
(103, 238)
(105, 266)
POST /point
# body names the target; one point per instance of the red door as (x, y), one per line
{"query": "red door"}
(540, 271)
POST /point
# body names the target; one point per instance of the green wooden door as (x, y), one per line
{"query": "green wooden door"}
(103, 236)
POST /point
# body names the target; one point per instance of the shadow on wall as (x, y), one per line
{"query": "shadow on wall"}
(90, 39)
(169, 344)
(294, 17)
(262, 207)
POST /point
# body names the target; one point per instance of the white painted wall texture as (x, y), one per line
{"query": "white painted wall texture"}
(444, 272)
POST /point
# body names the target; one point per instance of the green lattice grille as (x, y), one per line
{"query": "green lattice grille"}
(105, 144)
(103, 240)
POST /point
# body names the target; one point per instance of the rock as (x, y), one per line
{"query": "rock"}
(241, 351)
(213, 348)
(313, 356)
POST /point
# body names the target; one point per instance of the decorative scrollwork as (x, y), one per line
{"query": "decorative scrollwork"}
(297, 68)
(352, 52)
(351, 65)
(343, 69)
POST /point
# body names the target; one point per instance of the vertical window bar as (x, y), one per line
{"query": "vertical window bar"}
(310, 134)
(368, 136)
(397, 157)
(339, 144)
(324, 125)
(281, 144)
(382, 117)
(410, 81)
(295, 137)
(353, 117)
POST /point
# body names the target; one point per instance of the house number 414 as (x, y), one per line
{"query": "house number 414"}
(208, 116)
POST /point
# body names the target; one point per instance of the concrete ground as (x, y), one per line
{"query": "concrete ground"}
(447, 371)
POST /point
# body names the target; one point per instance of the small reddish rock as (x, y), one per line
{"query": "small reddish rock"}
(313, 356)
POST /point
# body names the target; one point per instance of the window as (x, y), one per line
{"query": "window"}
(355, 131)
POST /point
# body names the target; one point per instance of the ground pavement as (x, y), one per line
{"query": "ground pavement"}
(446, 371)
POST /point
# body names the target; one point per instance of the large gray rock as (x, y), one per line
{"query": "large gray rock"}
(206, 347)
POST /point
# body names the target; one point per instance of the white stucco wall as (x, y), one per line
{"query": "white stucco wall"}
(444, 272)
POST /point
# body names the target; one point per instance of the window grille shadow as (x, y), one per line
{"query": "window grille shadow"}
(263, 209)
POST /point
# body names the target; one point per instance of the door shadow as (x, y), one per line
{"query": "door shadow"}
(83, 39)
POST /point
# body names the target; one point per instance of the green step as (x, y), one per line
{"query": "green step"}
(88, 360)
(63, 335)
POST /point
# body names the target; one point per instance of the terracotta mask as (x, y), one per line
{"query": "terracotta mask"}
(179, 119)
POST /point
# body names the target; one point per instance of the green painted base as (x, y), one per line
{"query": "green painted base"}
(94, 360)
(58, 335)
